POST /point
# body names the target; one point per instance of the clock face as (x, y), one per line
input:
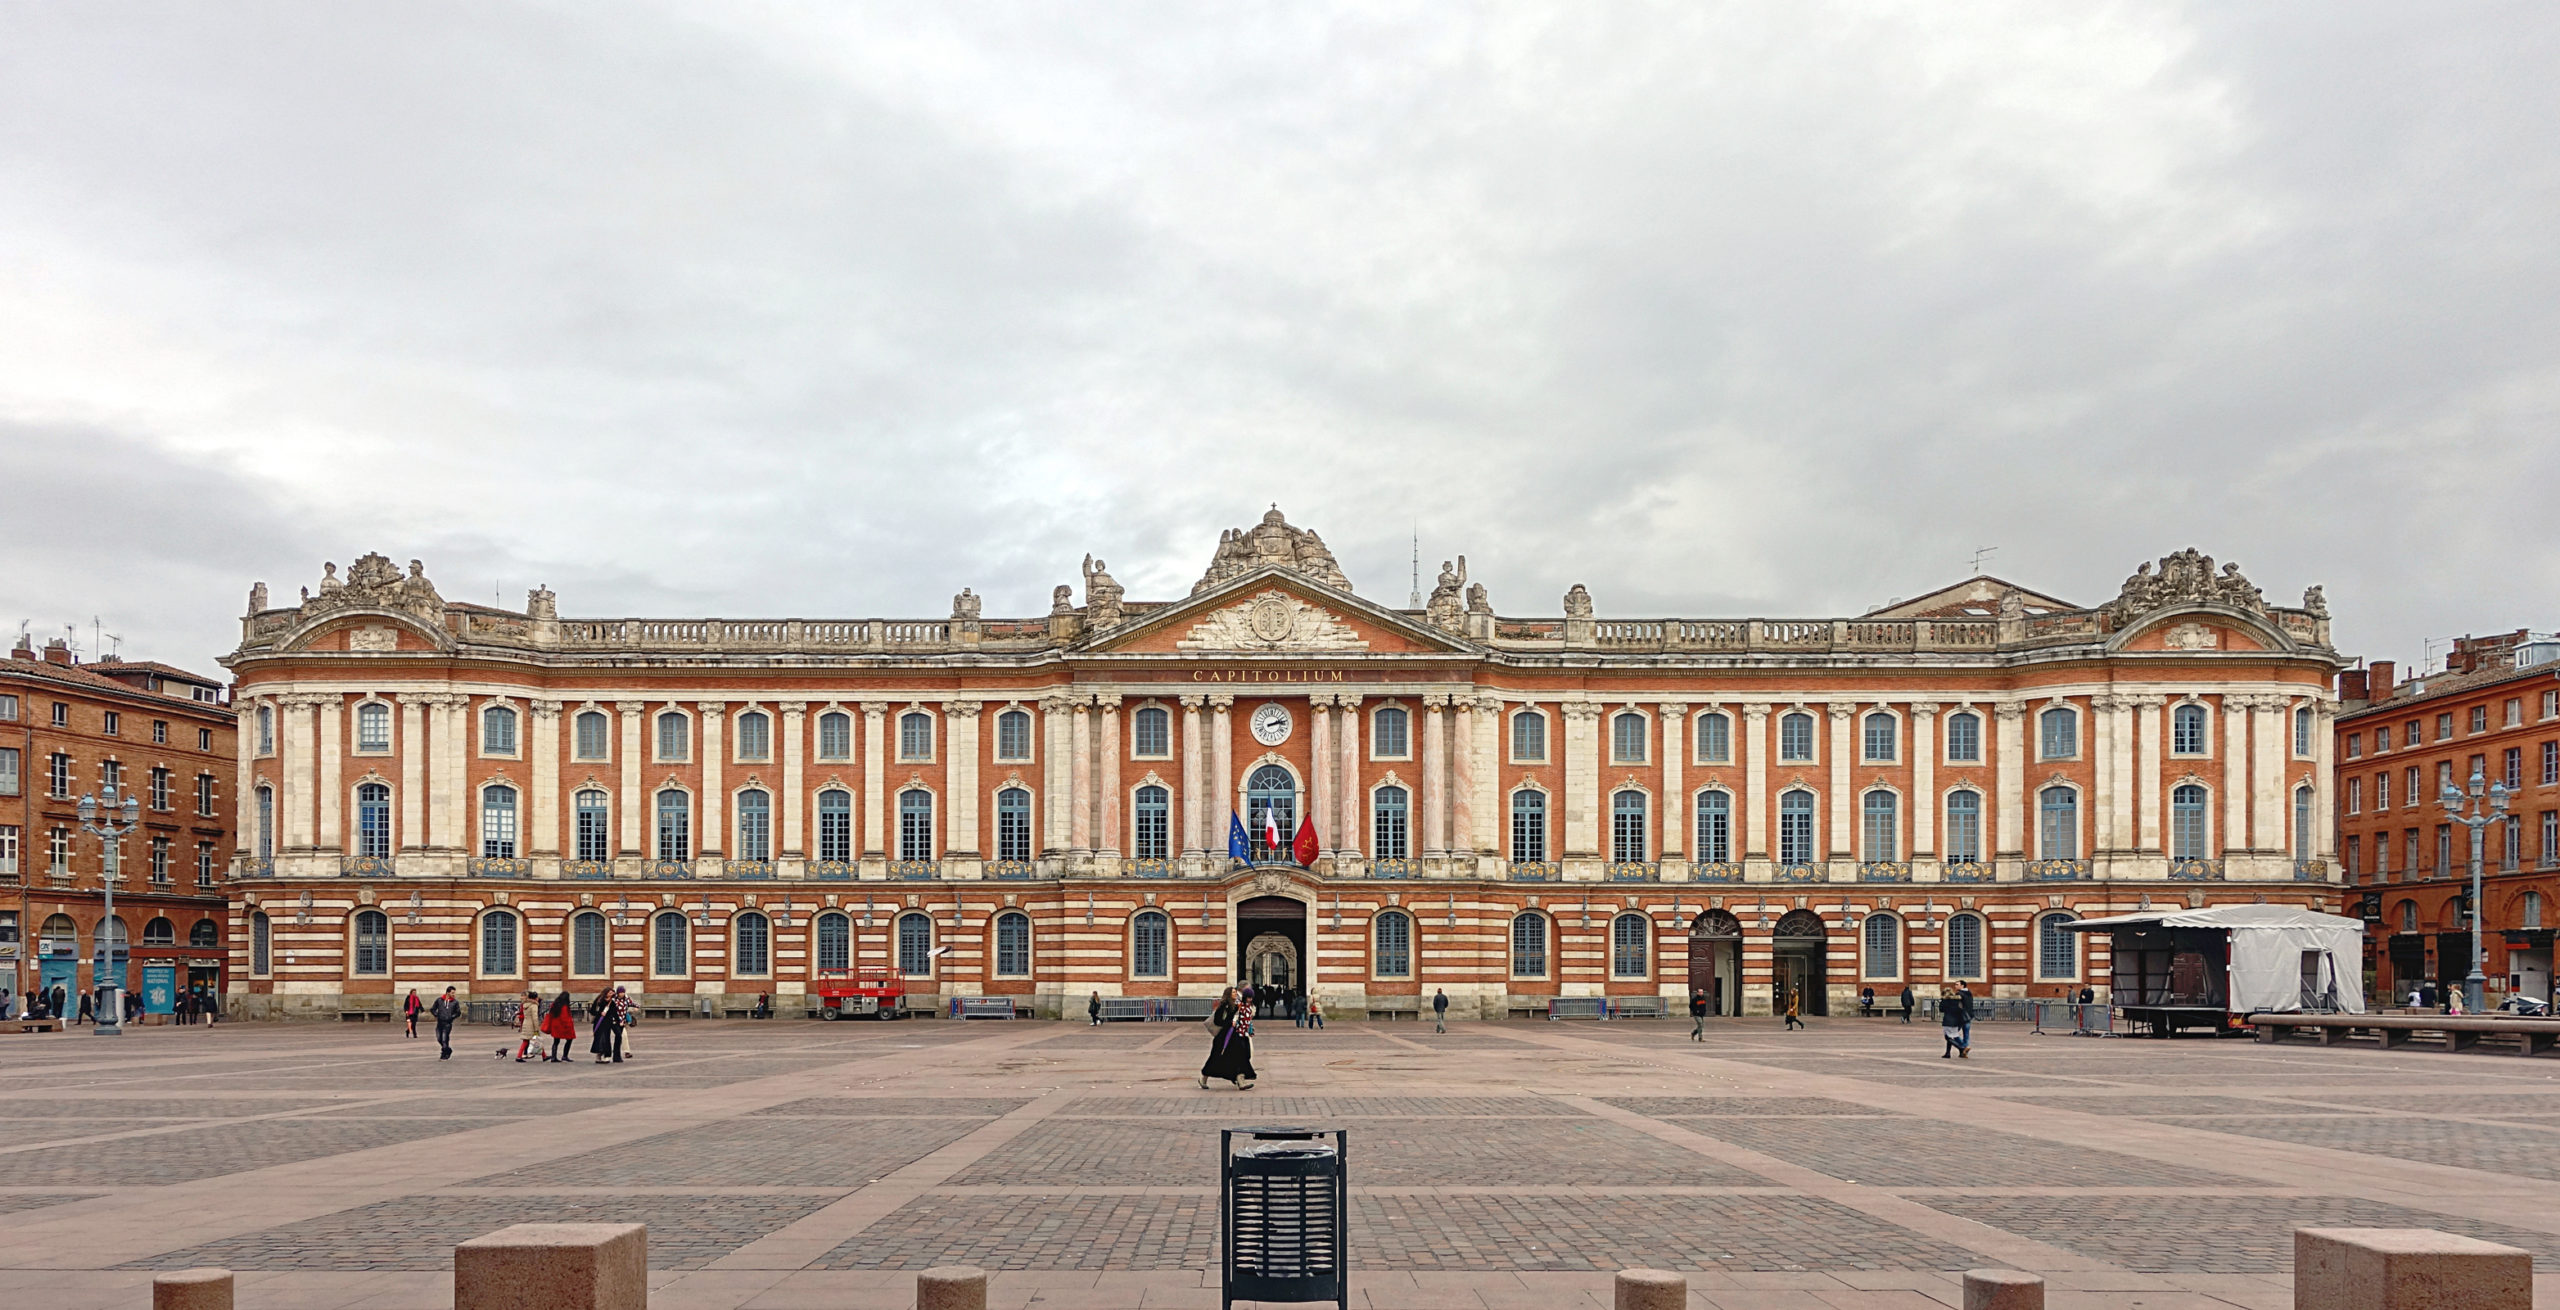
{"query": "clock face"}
(1271, 724)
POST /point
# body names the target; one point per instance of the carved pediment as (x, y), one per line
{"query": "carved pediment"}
(1272, 620)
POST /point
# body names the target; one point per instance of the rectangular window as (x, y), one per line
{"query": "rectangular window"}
(2381, 738)
(8, 770)
(204, 864)
(1151, 732)
(61, 715)
(160, 732)
(1795, 828)
(159, 859)
(204, 794)
(1715, 827)
(1389, 823)
(1395, 945)
(2058, 734)
(1882, 738)
(2550, 763)
(1795, 738)
(2354, 849)
(8, 709)
(2550, 852)
(2409, 851)
(159, 789)
(114, 723)
(2444, 726)
(204, 739)
(1013, 735)
(373, 727)
(111, 775)
(2444, 849)
(2355, 745)
(595, 826)
(2514, 711)
(2409, 785)
(57, 776)
(57, 852)
(1389, 739)
(1715, 739)
(1964, 946)
(915, 738)
(2382, 790)
(1964, 739)
(1529, 737)
(755, 736)
(835, 826)
(2512, 766)
(2551, 704)
(2355, 795)
(8, 850)
(2479, 718)
(1529, 827)
(2511, 842)
(1964, 827)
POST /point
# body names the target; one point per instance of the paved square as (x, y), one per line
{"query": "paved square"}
(1502, 1165)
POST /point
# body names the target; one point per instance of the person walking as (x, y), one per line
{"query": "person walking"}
(600, 1018)
(560, 1023)
(1907, 1001)
(1439, 1010)
(409, 1010)
(444, 1012)
(529, 1027)
(1955, 1023)
(1093, 1011)
(1697, 1014)
(626, 1016)
(1794, 995)
(88, 1008)
(1230, 1042)
(1315, 1012)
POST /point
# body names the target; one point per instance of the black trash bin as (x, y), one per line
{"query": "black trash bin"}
(1284, 1215)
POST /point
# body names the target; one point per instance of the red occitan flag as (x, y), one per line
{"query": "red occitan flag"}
(1304, 848)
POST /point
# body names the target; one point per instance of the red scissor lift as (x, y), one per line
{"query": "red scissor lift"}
(859, 993)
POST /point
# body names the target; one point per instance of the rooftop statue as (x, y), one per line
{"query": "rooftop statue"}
(1272, 543)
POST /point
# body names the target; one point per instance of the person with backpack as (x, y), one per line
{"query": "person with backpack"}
(1955, 1023)
(1907, 1002)
(1697, 1014)
(444, 1012)
(1439, 1010)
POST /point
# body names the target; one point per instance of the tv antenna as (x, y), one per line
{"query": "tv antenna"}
(1980, 553)
(1415, 601)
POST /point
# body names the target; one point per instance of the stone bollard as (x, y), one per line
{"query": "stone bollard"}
(192, 1289)
(554, 1267)
(2407, 1269)
(952, 1287)
(2002, 1289)
(1652, 1289)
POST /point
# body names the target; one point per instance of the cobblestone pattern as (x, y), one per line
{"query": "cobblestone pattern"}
(2501, 1102)
(210, 1151)
(1283, 1109)
(1769, 1232)
(475, 1107)
(18, 1202)
(1916, 1153)
(1527, 1152)
(1660, 1106)
(872, 1107)
(2159, 1106)
(160, 1108)
(420, 1232)
(1065, 1231)
(2208, 1234)
(2522, 1150)
(750, 1153)
(1101, 1153)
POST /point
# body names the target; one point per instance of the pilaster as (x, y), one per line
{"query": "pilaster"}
(1751, 815)
(2149, 750)
(795, 784)
(542, 838)
(293, 773)
(2270, 747)
(2235, 775)
(1346, 745)
(329, 711)
(1431, 840)
(635, 805)
(2009, 804)
(1113, 747)
(1222, 745)
(1581, 780)
(1675, 790)
(714, 842)
(960, 737)
(1922, 742)
(1843, 823)
(1055, 803)
(875, 770)
(1080, 780)
(1194, 773)
(1320, 773)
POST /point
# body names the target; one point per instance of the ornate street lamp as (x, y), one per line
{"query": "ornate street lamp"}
(111, 1018)
(2476, 809)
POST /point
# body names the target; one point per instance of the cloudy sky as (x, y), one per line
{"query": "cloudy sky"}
(831, 309)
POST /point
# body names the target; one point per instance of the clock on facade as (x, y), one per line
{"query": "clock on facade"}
(1271, 724)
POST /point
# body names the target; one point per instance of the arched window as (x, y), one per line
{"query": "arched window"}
(915, 824)
(753, 943)
(498, 823)
(498, 944)
(1013, 824)
(675, 736)
(835, 735)
(755, 825)
(1390, 734)
(915, 737)
(373, 821)
(915, 945)
(160, 932)
(1528, 826)
(2058, 734)
(835, 825)
(497, 731)
(1715, 827)
(1151, 833)
(1151, 733)
(668, 938)
(594, 813)
(2305, 722)
(587, 951)
(1964, 738)
(1963, 842)
(755, 736)
(1394, 946)
(2408, 916)
(1013, 944)
(373, 943)
(1529, 946)
(2058, 822)
(2057, 948)
(835, 943)
(1629, 838)
(2306, 825)
(1149, 956)
(1795, 827)
(1715, 738)
(2187, 731)
(1389, 822)
(1795, 738)
(1882, 738)
(675, 825)
(266, 846)
(204, 936)
(1964, 946)
(1630, 946)
(373, 726)
(1628, 738)
(1271, 801)
(595, 735)
(1880, 826)
(1013, 736)
(266, 730)
(261, 944)
(2189, 812)
(1529, 737)
(1884, 946)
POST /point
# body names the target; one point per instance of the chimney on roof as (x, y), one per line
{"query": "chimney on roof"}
(2351, 684)
(25, 649)
(2379, 679)
(57, 651)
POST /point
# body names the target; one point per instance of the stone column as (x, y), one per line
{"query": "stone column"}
(1923, 746)
(1462, 781)
(1222, 746)
(293, 774)
(2009, 777)
(244, 758)
(1110, 804)
(1055, 749)
(2102, 761)
(2148, 750)
(714, 842)
(1080, 777)
(635, 799)
(461, 809)
(1844, 803)
(1581, 780)
(2235, 775)
(960, 737)
(795, 718)
(1431, 841)
(875, 773)
(330, 709)
(2270, 746)
(542, 838)
(1675, 791)
(1349, 813)
(443, 806)
(1320, 766)
(2324, 807)
(413, 775)
(1194, 772)
(1751, 813)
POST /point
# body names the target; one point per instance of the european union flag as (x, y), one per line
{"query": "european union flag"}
(1237, 847)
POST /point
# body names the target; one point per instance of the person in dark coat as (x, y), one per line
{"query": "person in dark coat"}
(1697, 1014)
(1955, 1023)
(1907, 1002)
(1093, 1011)
(444, 1012)
(602, 1017)
(1230, 1042)
(409, 1009)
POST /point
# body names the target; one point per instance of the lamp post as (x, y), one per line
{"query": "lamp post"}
(110, 832)
(2476, 809)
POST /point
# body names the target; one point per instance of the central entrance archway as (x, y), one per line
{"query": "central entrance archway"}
(1797, 952)
(1715, 961)
(1271, 943)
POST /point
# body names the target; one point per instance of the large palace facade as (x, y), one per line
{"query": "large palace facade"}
(1508, 809)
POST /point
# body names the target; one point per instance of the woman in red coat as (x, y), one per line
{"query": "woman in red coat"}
(561, 1026)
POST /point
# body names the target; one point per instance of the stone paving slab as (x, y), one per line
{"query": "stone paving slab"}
(16, 1202)
(685, 1232)
(1663, 1106)
(749, 1153)
(475, 1107)
(2210, 1234)
(2526, 1150)
(1263, 1109)
(2152, 1105)
(873, 1107)
(1913, 1153)
(211, 1150)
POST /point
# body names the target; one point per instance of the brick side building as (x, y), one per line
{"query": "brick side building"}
(2493, 710)
(1511, 808)
(160, 733)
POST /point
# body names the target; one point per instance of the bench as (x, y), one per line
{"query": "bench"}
(30, 1025)
(1578, 1007)
(365, 1009)
(982, 1007)
(1526, 1007)
(1395, 1007)
(2456, 1032)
